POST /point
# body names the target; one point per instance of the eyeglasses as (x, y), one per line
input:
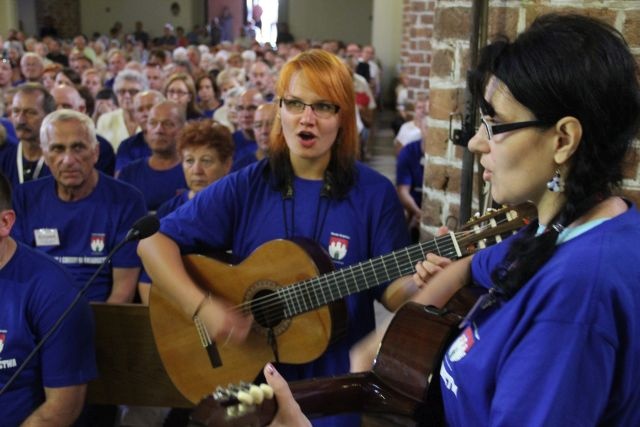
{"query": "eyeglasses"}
(322, 110)
(172, 92)
(262, 123)
(131, 92)
(166, 124)
(493, 130)
(246, 107)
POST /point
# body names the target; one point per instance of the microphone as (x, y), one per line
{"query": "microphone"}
(141, 229)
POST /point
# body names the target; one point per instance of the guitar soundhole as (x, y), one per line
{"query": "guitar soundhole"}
(267, 314)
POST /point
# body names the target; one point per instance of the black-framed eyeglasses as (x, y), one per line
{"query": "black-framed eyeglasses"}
(493, 130)
(322, 110)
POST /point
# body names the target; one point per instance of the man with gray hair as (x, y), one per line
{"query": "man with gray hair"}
(78, 215)
(120, 124)
(31, 67)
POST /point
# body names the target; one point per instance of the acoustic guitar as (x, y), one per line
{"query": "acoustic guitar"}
(403, 381)
(294, 297)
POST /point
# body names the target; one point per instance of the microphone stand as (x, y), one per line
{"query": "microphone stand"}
(131, 235)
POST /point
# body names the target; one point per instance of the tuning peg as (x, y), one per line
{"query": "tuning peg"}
(267, 391)
(256, 393)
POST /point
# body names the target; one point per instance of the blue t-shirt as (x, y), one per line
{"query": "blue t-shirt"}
(133, 148)
(244, 148)
(12, 138)
(242, 211)
(107, 159)
(9, 165)
(34, 292)
(156, 186)
(410, 169)
(86, 229)
(564, 350)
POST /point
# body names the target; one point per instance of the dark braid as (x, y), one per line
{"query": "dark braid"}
(567, 65)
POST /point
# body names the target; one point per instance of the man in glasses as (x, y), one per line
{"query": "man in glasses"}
(244, 137)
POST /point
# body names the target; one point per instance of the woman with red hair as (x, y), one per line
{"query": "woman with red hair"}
(309, 186)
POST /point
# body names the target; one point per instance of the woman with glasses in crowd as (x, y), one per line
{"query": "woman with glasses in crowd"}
(557, 339)
(180, 89)
(310, 186)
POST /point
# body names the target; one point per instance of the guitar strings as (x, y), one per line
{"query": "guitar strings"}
(275, 302)
(293, 296)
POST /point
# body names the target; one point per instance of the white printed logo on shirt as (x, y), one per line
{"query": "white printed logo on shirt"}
(97, 242)
(461, 346)
(338, 246)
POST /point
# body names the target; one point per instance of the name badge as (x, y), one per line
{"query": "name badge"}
(47, 237)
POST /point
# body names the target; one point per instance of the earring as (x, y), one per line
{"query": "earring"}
(556, 184)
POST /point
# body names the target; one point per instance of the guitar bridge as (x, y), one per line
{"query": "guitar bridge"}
(209, 346)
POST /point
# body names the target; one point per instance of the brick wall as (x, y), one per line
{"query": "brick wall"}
(435, 54)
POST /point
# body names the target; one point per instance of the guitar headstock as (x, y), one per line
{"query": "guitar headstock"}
(246, 405)
(484, 230)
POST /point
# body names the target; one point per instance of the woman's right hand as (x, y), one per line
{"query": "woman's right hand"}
(224, 323)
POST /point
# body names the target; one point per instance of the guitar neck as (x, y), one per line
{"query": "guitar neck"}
(319, 291)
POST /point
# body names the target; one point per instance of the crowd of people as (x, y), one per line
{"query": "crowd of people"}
(96, 135)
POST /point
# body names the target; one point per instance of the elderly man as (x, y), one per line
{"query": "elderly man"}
(32, 67)
(261, 78)
(160, 175)
(78, 215)
(24, 162)
(244, 138)
(69, 97)
(35, 292)
(118, 125)
(135, 147)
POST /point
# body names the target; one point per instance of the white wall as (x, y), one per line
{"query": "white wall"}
(347, 20)
(100, 15)
(386, 37)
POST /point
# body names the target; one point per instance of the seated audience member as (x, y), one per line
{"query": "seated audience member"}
(411, 131)
(262, 125)
(409, 181)
(208, 101)
(25, 162)
(92, 79)
(69, 97)
(159, 177)
(402, 99)
(118, 125)
(78, 214)
(105, 101)
(135, 147)
(35, 292)
(244, 138)
(261, 78)
(116, 61)
(10, 137)
(207, 152)
(180, 89)
(32, 67)
(155, 76)
(49, 75)
(68, 76)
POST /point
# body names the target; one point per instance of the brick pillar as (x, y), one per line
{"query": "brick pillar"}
(435, 51)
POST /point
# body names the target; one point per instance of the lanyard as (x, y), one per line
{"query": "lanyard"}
(20, 160)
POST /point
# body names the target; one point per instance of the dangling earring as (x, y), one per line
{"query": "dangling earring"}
(556, 184)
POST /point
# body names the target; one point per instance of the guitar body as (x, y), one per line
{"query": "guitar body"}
(299, 340)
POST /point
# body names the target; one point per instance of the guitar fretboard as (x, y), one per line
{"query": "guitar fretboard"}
(318, 291)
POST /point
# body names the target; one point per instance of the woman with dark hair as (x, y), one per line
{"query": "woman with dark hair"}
(311, 186)
(557, 339)
(208, 95)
